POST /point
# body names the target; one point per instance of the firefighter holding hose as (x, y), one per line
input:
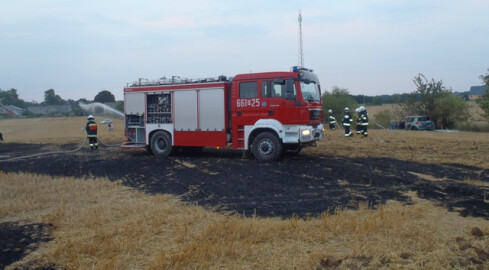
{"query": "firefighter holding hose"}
(332, 120)
(347, 120)
(359, 122)
(363, 120)
(91, 129)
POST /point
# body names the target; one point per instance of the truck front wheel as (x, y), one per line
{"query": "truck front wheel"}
(161, 144)
(266, 147)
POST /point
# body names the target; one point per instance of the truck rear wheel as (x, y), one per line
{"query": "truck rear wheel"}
(266, 147)
(161, 144)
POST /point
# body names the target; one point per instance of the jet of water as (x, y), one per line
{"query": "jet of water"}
(107, 109)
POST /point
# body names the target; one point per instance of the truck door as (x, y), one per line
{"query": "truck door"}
(248, 104)
(280, 98)
(246, 109)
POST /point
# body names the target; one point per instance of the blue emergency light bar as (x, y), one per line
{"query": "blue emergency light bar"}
(298, 68)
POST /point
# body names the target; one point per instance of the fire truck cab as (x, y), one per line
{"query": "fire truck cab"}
(267, 113)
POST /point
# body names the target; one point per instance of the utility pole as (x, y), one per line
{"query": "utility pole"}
(301, 54)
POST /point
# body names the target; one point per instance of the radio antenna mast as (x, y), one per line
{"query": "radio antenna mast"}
(301, 54)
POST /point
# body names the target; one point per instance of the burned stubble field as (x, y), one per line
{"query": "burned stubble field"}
(303, 185)
(448, 170)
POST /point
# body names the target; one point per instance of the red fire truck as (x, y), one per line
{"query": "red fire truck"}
(268, 113)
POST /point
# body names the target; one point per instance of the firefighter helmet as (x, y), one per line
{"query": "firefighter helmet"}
(90, 117)
(362, 108)
(330, 111)
(346, 109)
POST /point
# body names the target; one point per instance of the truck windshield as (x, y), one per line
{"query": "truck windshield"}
(310, 91)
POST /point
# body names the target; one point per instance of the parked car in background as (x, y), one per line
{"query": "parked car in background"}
(413, 122)
(418, 122)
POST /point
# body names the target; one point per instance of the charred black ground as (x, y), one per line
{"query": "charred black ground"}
(296, 185)
(17, 240)
(302, 185)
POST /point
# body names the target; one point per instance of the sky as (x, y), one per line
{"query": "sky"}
(370, 47)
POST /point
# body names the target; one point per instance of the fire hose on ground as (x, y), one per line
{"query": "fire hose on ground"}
(59, 152)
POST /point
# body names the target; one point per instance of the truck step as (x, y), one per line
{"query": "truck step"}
(133, 145)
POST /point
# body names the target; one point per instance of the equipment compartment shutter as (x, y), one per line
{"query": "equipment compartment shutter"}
(211, 109)
(185, 110)
(134, 103)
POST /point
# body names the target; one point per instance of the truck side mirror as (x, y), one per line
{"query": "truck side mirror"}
(289, 90)
(279, 81)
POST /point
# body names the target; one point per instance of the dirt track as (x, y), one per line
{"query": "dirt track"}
(296, 185)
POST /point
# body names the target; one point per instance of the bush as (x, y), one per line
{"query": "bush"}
(382, 118)
(472, 126)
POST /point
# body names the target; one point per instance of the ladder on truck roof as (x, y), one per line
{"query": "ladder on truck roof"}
(177, 80)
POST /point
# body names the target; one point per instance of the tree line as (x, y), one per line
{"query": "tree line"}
(11, 97)
(431, 98)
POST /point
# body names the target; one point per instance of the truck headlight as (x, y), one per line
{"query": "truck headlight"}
(306, 132)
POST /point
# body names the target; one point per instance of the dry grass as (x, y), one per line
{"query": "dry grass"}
(474, 110)
(467, 148)
(102, 225)
(97, 224)
(476, 122)
(57, 130)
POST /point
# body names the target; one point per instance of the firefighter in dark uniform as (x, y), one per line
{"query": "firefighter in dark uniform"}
(347, 120)
(91, 129)
(359, 123)
(364, 120)
(332, 120)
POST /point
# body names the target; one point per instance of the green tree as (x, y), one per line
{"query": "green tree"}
(396, 98)
(422, 100)
(50, 98)
(104, 96)
(450, 109)
(483, 101)
(10, 97)
(377, 100)
(383, 118)
(337, 100)
(119, 105)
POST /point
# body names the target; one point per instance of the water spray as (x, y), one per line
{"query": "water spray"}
(106, 109)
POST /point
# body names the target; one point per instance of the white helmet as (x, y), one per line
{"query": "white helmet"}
(330, 111)
(346, 109)
(90, 117)
(362, 108)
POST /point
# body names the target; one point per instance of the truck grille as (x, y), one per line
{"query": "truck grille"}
(315, 114)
